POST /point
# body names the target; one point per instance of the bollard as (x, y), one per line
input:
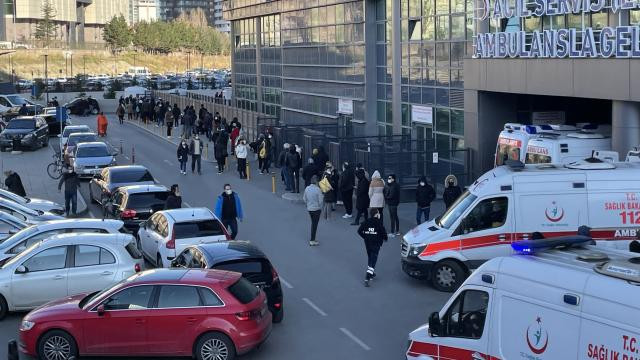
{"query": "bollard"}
(206, 151)
(248, 172)
(273, 184)
(121, 149)
(133, 154)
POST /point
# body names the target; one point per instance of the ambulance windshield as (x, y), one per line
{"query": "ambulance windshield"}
(508, 149)
(456, 210)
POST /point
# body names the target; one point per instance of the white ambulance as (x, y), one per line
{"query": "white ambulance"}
(511, 203)
(563, 149)
(577, 303)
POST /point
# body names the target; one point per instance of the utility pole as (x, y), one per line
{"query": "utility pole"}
(71, 58)
(46, 76)
(12, 71)
(188, 60)
(84, 60)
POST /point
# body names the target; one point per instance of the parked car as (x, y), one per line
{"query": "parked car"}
(55, 126)
(136, 203)
(91, 157)
(29, 131)
(10, 104)
(93, 86)
(104, 184)
(75, 139)
(72, 129)
(10, 225)
(33, 203)
(25, 214)
(83, 106)
(168, 232)
(20, 241)
(64, 265)
(206, 314)
(242, 257)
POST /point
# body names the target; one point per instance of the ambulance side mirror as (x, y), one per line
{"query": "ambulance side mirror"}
(434, 324)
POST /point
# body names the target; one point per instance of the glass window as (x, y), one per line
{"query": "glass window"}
(428, 7)
(178, 296)
(452, 214)
(532, 24)
(415, 8)
(457, 146)
(428, 28)
(106, 257)
(488, 214)
(443, 145)
(50, 259)
(133, 298)
(244, 291)
(634, 17)
(457, 6)
(508, 149)
(87, 255)
(209, 298)
(457, 27)
(600, 20)
(442, 28)
(23, 245)
(442, 120)
(130, 176)
(466, 316)
(457, 122)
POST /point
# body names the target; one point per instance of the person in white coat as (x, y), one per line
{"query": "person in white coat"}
(241, 155)
(376, 193)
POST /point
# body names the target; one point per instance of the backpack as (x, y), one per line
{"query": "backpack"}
(325, 185)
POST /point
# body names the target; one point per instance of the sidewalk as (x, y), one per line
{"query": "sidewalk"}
(406, 210)
(32, 168)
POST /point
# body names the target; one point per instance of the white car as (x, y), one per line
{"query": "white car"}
(72, 129)
(168, 232)
(91, 157)
(10, 225)
(23, 239)
(33, 203)
(25, 214)
(65, 265)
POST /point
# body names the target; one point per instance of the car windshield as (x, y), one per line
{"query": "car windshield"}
(21, 208)
(456, 210)
(92, 151)
(22, 124)
(147, 200)
(196, 229)
(89, 298)
(28, 231)
(74, 140)
(17, 100)
(26, 252)
(130, 176)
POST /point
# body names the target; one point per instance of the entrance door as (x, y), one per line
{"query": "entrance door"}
(423, 141)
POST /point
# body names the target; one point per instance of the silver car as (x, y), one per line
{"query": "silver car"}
(33, 203)
(10, 225)
(91, 157)
(25, 214)
(65, 265)
(72, 129)
(23, 239)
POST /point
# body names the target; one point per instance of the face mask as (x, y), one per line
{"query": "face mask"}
(269, 136)
(228, 192)
(421, 184)
(177, 192)
(390, 181)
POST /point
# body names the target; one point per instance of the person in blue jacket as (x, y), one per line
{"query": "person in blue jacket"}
(229, 209)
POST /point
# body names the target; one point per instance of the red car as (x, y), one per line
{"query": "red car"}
(208, 314)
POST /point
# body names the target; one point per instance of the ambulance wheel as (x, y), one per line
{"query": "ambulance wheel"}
(447, 276)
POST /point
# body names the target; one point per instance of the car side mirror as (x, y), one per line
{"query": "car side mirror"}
(22, 269)
(100, 309)
(435, 324)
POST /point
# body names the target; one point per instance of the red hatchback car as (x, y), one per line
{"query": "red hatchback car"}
(209, 314)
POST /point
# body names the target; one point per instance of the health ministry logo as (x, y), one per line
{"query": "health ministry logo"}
(537, 337)
(554, 213)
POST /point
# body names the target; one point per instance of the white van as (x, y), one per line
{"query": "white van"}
(563, 149)
(579, 303)
(139, 71)
(508, 204)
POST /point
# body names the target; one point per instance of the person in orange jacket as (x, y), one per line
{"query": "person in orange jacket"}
(102, 124)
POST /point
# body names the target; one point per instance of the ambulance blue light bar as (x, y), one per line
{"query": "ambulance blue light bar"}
(531, 129)
(529, 247)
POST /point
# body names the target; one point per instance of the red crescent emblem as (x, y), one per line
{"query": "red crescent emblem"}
(537, 351)
(554, 219)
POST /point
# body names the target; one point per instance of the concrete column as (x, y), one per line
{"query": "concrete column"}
(625, 126)
(371, 88)
(232, 53)
(396, 45)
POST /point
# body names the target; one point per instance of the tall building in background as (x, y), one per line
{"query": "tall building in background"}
(79, 21)
(171, 9)
(143, 10)
(218, 17)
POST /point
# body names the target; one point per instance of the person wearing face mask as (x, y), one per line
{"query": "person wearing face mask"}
(241, 155)
(424, 196)
(373, 233)
(392, 198)
(174, 200)
(229, 209)
(195, 150)
(451, 192)
(183, 156)
(71, 184)
(376, 193)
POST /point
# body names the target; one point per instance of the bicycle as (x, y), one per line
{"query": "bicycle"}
(54, 170)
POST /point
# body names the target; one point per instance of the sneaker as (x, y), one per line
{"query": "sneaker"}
(398, 233)
(366, 283)
(347, 216)
(314, 243)
(391, 235)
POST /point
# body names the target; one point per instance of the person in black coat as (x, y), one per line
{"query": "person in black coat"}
(292, 164)
(424, 196)
(320, 159)
(174, 200)
(362, 196)
(347, 183)
(14, 183)
(308, 171)
(220, 149)
(451, 192)
(373, 233)
(183, 156)
(392, 199)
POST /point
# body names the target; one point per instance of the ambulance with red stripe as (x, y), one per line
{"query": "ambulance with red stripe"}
(511, 203)
(577, 303)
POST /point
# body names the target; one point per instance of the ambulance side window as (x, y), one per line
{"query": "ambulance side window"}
(466, 316)
(488, 214)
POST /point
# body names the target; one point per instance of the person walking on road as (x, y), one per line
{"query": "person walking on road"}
(174, 200)
(241, 155)
(308, 171)
(183, 156)
(424, 196)
(13, 183)
(376, 193)
(130, 110)
(392, 198)
(102, 124)
(451, 192)
(120, 113)
(313, 199)
(195, 150)
(229, 209)
(373, 233)
(362, 197)
(168, 119)
(71, 184)
(347, 183)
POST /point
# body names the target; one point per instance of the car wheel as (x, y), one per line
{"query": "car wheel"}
(215, 346)
(57, 345)
(278, 316)
(45, 143)
(447, 276)
(159, 261)
(4, 308)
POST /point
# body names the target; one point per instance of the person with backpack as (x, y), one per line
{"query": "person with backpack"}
(392, 198)
(424, 196)
(373, 233)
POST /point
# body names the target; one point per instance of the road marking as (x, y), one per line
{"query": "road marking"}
(126, 157)
(285, 283)
(355, 339)
(186, 203)
(168, 162)
(314, 307)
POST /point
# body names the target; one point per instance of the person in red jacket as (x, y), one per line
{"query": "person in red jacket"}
(235, 132)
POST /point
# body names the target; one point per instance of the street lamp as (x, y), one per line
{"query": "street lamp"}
(188, 60)
(46, 76)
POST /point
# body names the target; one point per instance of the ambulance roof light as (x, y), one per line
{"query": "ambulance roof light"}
(531, 129)
(528, 247)
(546, 127)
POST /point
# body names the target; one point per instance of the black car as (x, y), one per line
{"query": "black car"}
(102, 186)
(55, 126)
(136, 203)
(242, 257)
(25, 132)
(83, 106)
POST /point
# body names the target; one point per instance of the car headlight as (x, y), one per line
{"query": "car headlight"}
(26, 325)
(415, 250)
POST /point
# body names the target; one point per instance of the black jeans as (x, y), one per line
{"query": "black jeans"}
(347, 200)
(361, 212)
(221, 162)
(315, 218)
(70, 197)
(242, 168)
(233, 225)
(195, 158)
(169, 127)
(421, 211)
(372, 256)
(395, 222)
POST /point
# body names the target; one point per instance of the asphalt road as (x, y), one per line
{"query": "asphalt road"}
(329, 314)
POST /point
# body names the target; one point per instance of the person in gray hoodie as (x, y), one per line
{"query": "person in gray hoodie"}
(313, 198)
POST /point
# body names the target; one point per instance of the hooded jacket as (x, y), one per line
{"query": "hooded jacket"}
(392, 193)
(451, 193)
(424, 194)
(362, 191)
(14, 184)
(376, 191)
(373, 233)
